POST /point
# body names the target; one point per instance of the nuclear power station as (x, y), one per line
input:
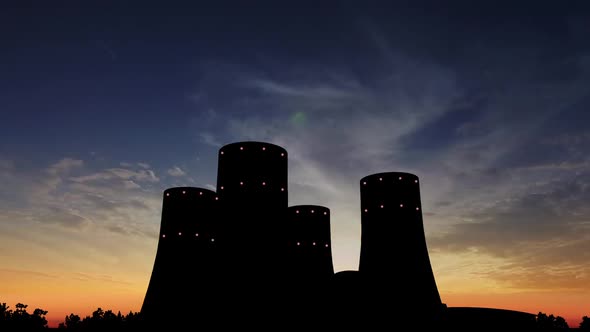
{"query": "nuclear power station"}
(241, 256)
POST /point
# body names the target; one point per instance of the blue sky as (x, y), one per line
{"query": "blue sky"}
(106, 104)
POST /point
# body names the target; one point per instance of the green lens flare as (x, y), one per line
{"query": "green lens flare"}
(298, 118)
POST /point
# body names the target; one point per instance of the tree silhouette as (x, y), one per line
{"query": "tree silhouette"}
(560, 323)
(21, 319)
(72, 322)
(551, 322)
(101, 320)
(38, 318)
(585, 323)
(5, 314)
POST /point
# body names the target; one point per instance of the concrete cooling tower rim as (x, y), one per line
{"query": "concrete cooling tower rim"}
(191, 191)
(386, 176)
(249, 145)
(307, 208)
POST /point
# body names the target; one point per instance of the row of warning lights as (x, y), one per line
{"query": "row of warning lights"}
(383, 206)
(213, 240)
(222, 187)
(381, 179)
(297, 211)
(196, 235)
(312, 211)
(263, 149)
(264, 183)
(217, 198)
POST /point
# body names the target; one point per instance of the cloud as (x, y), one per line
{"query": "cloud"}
(209, 139)
(118, 173)
(70, 195)
(542, 234)
(20, 272)
(64, 165)
(81, 276)
(176, 171)
(131, 185)
(60, 215)
(321, 92)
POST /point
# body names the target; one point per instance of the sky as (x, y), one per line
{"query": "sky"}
(105, 104)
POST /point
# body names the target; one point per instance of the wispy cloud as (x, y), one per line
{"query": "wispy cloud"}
(176, 171)
(129, 184)
(120, 173)
(209, 139)
(29, 272)
(69, 194)
(64, 165)
(81, 276)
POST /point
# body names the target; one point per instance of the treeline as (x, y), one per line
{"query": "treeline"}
(550, 322)
(100, 320)
(19, 318)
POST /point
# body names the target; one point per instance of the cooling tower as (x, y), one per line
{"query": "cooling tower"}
(309, 269)
(394, 262)
(252, 188)
(309, 242)
(187, 254)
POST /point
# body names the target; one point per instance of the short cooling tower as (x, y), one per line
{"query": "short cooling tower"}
(187, 255)
(309, 268)
(309, 242)
(394, 262)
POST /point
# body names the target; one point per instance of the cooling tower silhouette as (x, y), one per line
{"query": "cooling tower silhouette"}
(252, 188)
(187, 254)
(394, 262)
(309, 243)
(309, 268)
(241, 257)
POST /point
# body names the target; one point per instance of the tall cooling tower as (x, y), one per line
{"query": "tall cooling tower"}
(394, 262)
(309, 242)
(252, 188)
(187, 255)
